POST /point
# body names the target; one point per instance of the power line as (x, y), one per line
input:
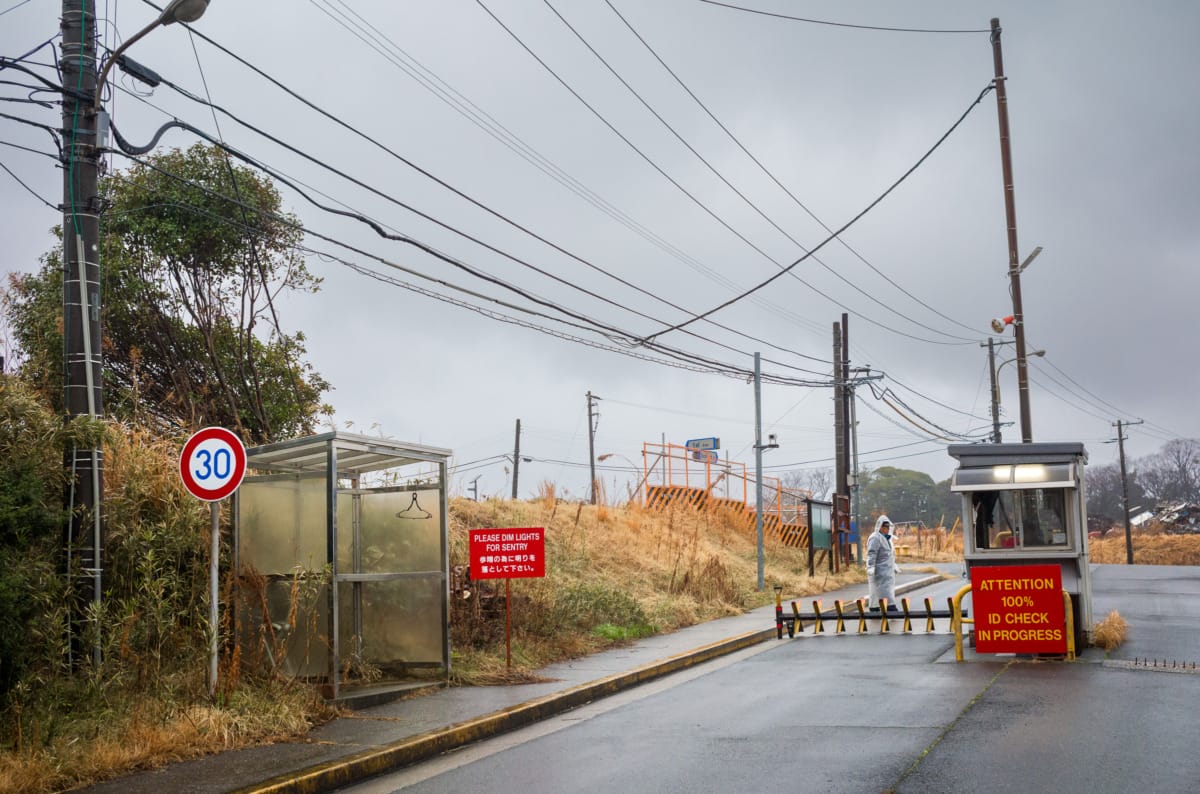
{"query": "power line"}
(771, 175)
(843, 24)
(734, 188)
(699, 363)
(566, 282)
(847, 225)
(14, 7)
(783, 270)
(614, 333)
(32, 192)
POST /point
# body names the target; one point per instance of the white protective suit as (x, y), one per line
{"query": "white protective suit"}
(881, 566)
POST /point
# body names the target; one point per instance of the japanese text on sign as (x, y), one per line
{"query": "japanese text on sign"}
(1018, 609)
(508, 553)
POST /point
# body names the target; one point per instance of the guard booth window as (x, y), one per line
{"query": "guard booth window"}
(1019, 519)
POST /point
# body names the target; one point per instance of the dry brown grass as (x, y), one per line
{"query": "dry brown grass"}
(153, 734)
(615, 573)
(1110, 632)
(1149, 548)
(936, 544)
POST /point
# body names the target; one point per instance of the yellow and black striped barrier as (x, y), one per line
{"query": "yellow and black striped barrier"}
(795, 622)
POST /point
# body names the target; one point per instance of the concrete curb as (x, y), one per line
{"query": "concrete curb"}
(917, 584)
(368, 763)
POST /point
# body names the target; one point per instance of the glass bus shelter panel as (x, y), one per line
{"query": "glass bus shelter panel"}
(398, 532)
(304, 646)
(402, 625)
(1024, 519)
(282, 525)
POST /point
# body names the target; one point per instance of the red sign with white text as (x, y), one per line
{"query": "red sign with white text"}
(508, 553)
(1018, 609)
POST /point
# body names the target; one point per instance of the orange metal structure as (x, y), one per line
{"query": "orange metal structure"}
(677, 476)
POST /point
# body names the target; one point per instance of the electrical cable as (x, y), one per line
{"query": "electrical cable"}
(566, 282)
(699, 363)
(14, 7)
(843, 24)
(772, 176)
(31, 191)
(758, 210)
(783, 270)
(627, 337)
(373, 37)
(848, 224)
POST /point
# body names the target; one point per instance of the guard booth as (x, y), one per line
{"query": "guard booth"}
(341, 553)
(1024, 504)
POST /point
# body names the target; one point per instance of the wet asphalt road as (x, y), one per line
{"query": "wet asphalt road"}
(879, 713)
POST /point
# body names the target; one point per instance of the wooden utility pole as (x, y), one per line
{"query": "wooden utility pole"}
(1010, 215)
(516, 459)
(1125, 489)
(839, 413)
(995, 392)
(592, 416)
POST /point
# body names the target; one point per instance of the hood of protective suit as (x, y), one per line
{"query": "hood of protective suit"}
(879, 522)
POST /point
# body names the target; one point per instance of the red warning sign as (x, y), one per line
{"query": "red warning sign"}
(1018, 609)
(508, 553)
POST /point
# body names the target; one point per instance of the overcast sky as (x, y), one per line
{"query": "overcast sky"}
(1106, 173)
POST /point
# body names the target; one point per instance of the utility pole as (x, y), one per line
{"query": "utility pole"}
(475, 488)
(1010, 215)
(995, 392)
(592, 417)
(83, 388)
(839, 415)
(847, 390)
(1125, 489)
(758, 451)
(516, 458)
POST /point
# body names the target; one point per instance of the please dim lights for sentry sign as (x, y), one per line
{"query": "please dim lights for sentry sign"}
(1018, 609)
(508, 553)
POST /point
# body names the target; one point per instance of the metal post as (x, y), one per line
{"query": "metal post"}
(516, 459)
(214, 596)
(758, 450)
(1010, 214)
(83, 384)
(855, 491)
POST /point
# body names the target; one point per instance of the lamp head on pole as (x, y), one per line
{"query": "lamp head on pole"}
(1000, 323)
(183, 11)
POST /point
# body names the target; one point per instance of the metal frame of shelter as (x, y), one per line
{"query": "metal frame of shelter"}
(394, 573)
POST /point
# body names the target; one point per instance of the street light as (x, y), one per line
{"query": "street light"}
(176, 11)
(996, 391)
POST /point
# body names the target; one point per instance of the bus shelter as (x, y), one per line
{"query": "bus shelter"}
(341, 552)
(1024, 504)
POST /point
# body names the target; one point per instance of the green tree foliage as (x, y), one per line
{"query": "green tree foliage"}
(194, 252)
(31, 520)
(903, 494)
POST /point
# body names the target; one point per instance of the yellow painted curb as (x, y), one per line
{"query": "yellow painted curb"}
(369, 763)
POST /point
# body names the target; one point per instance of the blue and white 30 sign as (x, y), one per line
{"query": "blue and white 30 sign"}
(213, 463)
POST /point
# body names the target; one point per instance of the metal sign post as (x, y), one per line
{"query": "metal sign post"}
(212, 465)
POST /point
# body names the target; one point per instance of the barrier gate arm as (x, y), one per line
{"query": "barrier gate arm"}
(957, 620)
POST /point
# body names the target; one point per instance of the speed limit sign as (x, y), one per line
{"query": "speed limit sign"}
(213, 463)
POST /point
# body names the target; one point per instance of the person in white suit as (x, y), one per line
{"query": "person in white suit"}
(881, 565)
